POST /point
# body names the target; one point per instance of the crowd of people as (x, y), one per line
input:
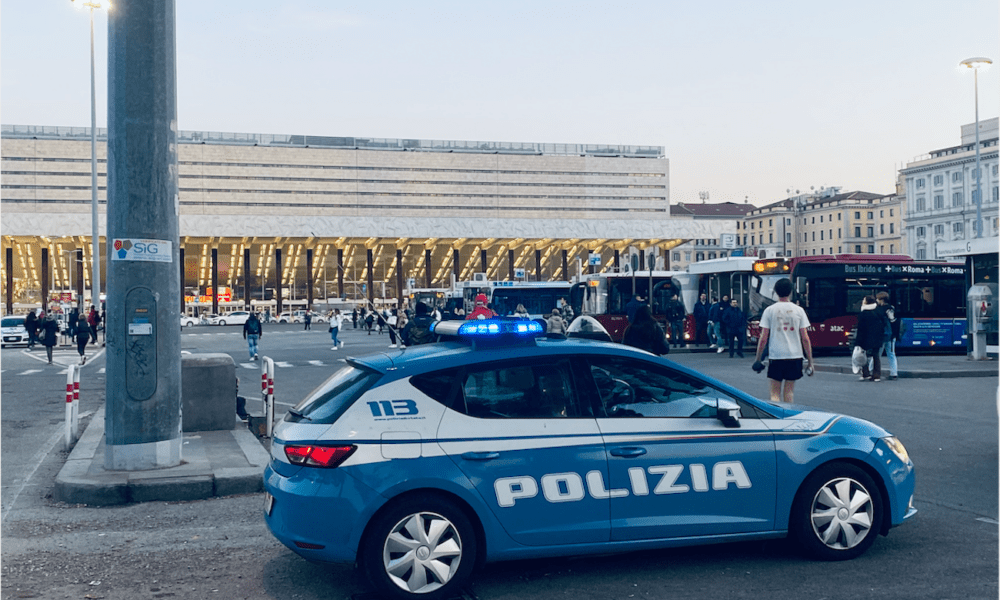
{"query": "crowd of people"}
(45, 328)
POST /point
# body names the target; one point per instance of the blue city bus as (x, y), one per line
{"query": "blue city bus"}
(929, 296)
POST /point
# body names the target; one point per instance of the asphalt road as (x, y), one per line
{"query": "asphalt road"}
(220, 548)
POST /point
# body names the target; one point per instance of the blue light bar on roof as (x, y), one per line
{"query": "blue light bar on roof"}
(489, 328)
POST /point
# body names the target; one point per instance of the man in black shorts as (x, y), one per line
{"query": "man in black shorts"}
(784, 333)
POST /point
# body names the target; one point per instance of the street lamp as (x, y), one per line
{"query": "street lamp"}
(95, 232)
(975, 64)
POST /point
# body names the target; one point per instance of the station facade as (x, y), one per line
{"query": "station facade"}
(297, 220)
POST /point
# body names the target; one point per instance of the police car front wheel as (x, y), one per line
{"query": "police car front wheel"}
(423, 547)
(838, 512)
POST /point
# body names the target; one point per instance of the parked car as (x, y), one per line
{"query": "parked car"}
(13, 331)
(552, 447)
(299, 316)
(209, 319)
(237, 317)
(189, 321)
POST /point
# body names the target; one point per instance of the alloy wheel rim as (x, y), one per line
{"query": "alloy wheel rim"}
(841, 514)
(422, 552)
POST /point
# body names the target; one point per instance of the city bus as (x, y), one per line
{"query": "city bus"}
(929, 296)
(603, 296)
(537, 297)
(731, 276)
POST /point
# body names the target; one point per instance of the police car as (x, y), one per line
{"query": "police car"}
(422, 464)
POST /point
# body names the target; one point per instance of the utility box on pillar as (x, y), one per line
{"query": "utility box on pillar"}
(982, 318)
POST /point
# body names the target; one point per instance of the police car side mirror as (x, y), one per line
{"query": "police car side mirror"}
(728, 412)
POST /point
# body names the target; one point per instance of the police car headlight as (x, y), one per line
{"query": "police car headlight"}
(897, 448)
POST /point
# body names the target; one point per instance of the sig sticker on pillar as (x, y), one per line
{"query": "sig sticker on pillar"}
(142, 250)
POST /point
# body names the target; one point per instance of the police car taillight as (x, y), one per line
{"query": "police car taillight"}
(318, 456)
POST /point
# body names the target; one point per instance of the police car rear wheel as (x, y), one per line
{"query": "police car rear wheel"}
(423, 547)
(838, 513)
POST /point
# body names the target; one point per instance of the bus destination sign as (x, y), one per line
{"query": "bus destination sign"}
(904, 269)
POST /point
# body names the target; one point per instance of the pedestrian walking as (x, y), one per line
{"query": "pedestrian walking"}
(418, 329)
(701, 320)
(645, 333)
(555, 323)
(380, 320)
(307, 319)
(675, 314)
(369, 322)
(82, 336)
(354, 317)
(870, 338)
(890, 332)
(567, 311)
(31, 324)
(714, 323)
(93, 319)
(784, 334)
(723, 305)
(391, 323)
(49, 334)
(336, 320)
(74, 318)
(736, 325)
(253, 330)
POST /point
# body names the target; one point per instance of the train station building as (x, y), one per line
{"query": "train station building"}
(308, 218)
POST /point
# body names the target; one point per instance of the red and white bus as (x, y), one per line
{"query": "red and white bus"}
(603, 296)
(929, 296)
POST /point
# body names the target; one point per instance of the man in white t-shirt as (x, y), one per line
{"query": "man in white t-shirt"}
(784, 332)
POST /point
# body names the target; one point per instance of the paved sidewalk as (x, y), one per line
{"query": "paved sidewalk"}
(919, 366)
(213, 463)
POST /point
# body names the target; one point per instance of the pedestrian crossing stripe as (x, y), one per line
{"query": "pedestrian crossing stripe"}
(318, 363)
(250, 365)
(30, 371)
(282, 364)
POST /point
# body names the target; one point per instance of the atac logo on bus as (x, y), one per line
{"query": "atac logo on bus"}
(142, 250)
(667, 479)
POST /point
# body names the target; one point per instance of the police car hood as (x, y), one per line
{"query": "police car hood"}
(803, 418)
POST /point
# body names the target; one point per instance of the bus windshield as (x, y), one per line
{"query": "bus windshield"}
(537, 301)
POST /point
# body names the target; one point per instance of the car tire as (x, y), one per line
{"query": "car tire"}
(222, 322)
(397, 555)
(189, 324)
(837, 513)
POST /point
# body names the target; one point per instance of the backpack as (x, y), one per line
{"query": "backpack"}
(419, 334)
(253, 327)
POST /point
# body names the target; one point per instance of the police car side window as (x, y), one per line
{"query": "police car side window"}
(535, 390)
(440, 385)
(633, 388)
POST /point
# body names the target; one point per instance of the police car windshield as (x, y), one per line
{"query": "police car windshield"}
(332, 398)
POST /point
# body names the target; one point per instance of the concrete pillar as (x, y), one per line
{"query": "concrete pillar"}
(399, 278)
(340, 273)
(427, 267)
(510, 264)
(371, 278)
(565, 265)
(277, 282)
(143, 391)
(9, 262)
(79, 279)
(642, 261)
(617, 260)
(215, 280)
(538, 265)
(45, 281)
(309, 279)
(484, 264)
(246, 278)
(456, 266)
(180, 261)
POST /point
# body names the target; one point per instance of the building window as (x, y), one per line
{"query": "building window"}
(871, 248)
(839, 249)
(890, 212)
(881, 229)
(939, 229)
(838, 216)
(770, 222)
(814, 236)
(814, 220)
(699, 256)
(975, 173)
(770, 238)
(881, 214)
(956, 176)
(788, 238)
(723, 254)
(751, 224)
(921, 204)
(805, 221)
(831, 249)
(956, 199)
(938, 201)
(892, 228)
(881, 249)
(789, 221)
(892, 248)
(753, 240)
(921, 253)
(871, 214)
(871, 231)
(857, 232)
(994, 170)
(838, 234)
(711, 255)
(938, 180)
(857, 248)
(857, 214)
(821, 218)
(676, 257)
(814, 252)
(687, 256)
(920, 183)
(821, 235)
(921, 232)
(805, 237)
(956, 228)
(996, 193)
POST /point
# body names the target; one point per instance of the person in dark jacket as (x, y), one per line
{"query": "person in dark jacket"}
(645, 333)
(675, 314)
(418, 329)
(714, 323)
(94, 320)
(253, 330)
(632, 306)
(870, 337)
(49, 333)
(82, 335)
(736, 327)
(31, 324)
(701, 307)
(723, 333)
(890, 331)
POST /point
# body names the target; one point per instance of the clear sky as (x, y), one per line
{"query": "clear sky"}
(747, 98)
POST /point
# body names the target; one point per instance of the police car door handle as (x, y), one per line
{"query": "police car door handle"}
(481, 455)
(628, 451)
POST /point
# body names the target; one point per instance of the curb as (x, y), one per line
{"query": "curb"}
(915, 373)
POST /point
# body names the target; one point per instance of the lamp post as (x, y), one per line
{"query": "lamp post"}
(975, 64)
(95, 232)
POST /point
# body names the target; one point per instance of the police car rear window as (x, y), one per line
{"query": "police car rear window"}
(331, 399)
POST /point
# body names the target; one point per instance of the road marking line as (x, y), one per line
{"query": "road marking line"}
(318, 363)
(38, 458)
(101, 370)
(281, 364)
(249, 365)
(990, 521)
(30, 371)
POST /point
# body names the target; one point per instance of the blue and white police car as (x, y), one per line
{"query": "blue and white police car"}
(422, 464)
